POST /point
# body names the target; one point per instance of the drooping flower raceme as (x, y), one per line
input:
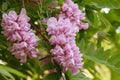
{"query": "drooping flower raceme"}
(17, 30)
(71, 10)
(63, 31)
(65, 51)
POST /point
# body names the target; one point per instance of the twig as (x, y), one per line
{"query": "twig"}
(23, 4)
(43, 36)
(63, 76)
(40, 24)
(40, 33)
(45, 57)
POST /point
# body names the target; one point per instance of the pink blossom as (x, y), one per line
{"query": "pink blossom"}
(71, 10)
(51, 25)
(65, 47)
(57, 50)
(17, 29)
(63, 31)
(58, 39)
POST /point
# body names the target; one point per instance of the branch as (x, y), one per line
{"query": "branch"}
(43, 36)
(63, 76)
(45, 57)
(23, 4)
(39, 31)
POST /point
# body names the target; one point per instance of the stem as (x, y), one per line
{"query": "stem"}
(39, 32)
(4, 77)
(40, 23)
(99, 43)
(43, 36)
(63, 76)
(44, 57)
(23, 4)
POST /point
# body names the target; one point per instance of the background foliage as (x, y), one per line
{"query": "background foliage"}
(99, 44)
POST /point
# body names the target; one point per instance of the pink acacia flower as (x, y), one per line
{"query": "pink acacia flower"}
(71, 10)
(17, 29)
(63, 31)
(65, 49)
(13, 24)
(21, 50)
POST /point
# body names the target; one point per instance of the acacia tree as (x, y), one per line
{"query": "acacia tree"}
(59, 40)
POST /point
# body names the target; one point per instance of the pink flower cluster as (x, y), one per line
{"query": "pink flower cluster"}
(63, 32)
(65, 52)
(17, 29)
(71, 10)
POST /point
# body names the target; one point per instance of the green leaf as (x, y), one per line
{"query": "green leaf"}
(48, 66)
(115, 60)
(99, 55)
(53, 76)
(47, 3)
(4, 6)
(92, 17)
(79, 76)
(96, 55)
(113, 4)
(6, 73)
(44, 45)
(82, 45)
(68, 75)
(60, 1)
(104, 20)
(13, 71)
